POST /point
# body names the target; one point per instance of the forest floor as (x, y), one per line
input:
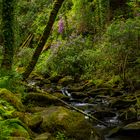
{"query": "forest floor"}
(61, 108)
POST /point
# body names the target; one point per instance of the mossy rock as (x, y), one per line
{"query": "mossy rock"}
(78, 87)
(44, 136)
(33, 121)
(71, 123)
(36, 76)
(35, 109)
(120, 103)
(40, 99)
(11, 128)
(12, 99)
(132, 126)
(131, 129)
(61, 96)
(6, 109)
(17, 138)
(66, 80)
(100, 91)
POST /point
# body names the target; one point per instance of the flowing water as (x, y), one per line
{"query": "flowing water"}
(90, 108)
(111, 121)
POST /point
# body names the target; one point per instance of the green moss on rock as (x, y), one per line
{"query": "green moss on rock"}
(66, 80)
(12, 99)
(71, 123)
(12, 128)
(40, 99)
(6, 109)
(44, 136)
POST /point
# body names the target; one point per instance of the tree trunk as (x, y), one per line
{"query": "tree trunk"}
(8, 34)
(45, 36)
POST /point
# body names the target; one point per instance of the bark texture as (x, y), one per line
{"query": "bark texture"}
(45, 36)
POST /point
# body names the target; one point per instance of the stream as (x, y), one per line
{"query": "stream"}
(99, 108)
(111, 119)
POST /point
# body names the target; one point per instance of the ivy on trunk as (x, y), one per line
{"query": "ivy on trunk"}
(8, 34)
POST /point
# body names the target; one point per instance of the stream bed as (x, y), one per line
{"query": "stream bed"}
(98, 107)
(111, 117)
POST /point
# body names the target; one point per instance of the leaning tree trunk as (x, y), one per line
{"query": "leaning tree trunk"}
(8, 34)
(45, 36)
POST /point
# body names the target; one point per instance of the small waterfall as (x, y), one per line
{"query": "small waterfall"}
(64, 91)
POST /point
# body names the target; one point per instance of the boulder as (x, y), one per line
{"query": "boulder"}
(44, 136)
(17, 138)
(99, 91)
(120, 103)
(66, 80)
(71, 123)
(40, 99)
(132, 128)
(33, 121)
(12, 99)
(6, 109)
(13, 129)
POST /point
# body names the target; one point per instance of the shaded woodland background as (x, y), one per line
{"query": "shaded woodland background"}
(100, 39)
(91, 41)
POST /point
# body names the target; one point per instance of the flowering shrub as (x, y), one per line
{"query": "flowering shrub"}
(61, 26)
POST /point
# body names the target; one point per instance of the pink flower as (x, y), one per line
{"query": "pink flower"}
(60, 26)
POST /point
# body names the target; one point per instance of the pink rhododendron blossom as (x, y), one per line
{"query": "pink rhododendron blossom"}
(60, 26)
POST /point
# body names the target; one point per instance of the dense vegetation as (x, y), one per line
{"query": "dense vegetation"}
(90, 40)
(99, 38)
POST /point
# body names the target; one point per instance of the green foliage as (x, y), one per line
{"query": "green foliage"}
(10, 81)
(82, 14)
(60, 136)
(134, 5)
(9, 127)
(123, 43)
(80, 52)
(66, 57)
(23, 57)
(6, 109)
(42, 62)
(41, 19)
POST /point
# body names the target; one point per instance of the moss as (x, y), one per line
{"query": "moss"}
(33, 121)
(40, 99)
(71, 123)
(11, 98)
(6, 109)
(66, 80)
(61, 96)
(12, 128)
(44, 136)
(132, 126)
